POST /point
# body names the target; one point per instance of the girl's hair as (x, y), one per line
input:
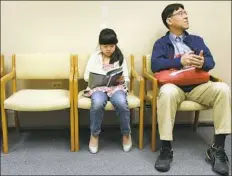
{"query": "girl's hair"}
(109, 37)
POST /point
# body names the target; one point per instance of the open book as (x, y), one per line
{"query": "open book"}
(109, 79)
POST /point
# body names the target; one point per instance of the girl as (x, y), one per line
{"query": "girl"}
(108, 57)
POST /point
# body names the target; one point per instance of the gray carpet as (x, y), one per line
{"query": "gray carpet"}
(41, 152)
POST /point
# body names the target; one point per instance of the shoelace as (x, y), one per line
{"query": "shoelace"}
(221, 155)
(165, 153)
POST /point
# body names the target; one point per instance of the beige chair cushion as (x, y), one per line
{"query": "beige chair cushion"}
(85, 103)
(186, 105)
(54, 66)
(38, 100)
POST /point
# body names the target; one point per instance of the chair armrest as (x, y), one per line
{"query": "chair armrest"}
(71, 77)
(150, 77)
(154, 82)
(4, 80)
(140, 79)
(2, 66)
(2, 72)
(7, 77)
(75, 82)
(136, 76)
(215, 79)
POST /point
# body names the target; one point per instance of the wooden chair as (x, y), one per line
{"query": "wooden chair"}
(2, 72)
(38, 66)
(81, 102)
(16, 118)
(2, 66)
(151, 96)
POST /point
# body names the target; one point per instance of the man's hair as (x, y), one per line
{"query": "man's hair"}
(168, 11)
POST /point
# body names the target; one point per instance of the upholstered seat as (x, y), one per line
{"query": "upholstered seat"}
(38, 66)
(38, 100)
(82, 102)
(85, 102)
(151, 96)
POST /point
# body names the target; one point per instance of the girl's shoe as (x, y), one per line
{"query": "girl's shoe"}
(93, 148)
(127, 147)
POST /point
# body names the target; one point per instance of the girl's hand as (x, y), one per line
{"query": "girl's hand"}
(121, 80)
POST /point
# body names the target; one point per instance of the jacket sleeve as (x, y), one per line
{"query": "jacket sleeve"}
(160, 60)
(209, 62)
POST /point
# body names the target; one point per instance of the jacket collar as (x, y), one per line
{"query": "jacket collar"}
(167, 39)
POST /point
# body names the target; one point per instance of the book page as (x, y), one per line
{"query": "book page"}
(113, 78)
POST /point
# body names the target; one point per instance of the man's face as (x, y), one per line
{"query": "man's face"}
(179, 19)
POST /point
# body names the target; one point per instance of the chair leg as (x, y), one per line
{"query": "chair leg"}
(153, 133)
(4, 130)
(72, 128)
(132, 113)
(76, 117)
(141, 126)
(196, 121)
(17, 123)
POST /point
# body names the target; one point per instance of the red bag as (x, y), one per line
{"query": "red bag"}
(183, 77)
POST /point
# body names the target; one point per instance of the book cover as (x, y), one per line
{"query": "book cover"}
(108, 79)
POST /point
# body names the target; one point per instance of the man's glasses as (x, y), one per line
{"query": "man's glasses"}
(180, 13)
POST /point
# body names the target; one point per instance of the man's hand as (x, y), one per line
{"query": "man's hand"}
(198, 60)
(186, 59)
(190, 59)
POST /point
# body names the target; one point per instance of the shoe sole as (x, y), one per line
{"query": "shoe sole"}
(92, 152)
(161, 170)
(128, 149)
(209, 161)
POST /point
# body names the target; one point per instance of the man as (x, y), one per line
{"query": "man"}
(178, 49)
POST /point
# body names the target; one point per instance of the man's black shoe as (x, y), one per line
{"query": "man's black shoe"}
(164, 160)
(219, 160)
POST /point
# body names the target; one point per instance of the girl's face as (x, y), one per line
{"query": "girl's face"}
(107, 50)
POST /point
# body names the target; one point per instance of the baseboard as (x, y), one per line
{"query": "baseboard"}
(146, 126)
(57, 124)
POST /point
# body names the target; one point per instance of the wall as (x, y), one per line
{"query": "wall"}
(74, 26)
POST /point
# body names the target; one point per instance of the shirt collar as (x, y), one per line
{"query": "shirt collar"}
(173, 37)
